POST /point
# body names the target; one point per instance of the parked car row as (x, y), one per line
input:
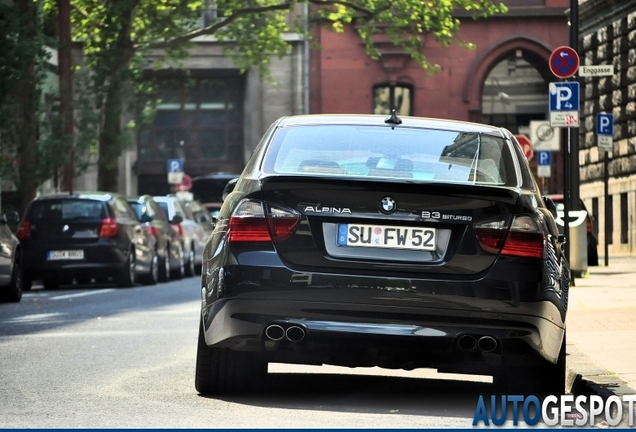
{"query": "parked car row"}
(103, 237)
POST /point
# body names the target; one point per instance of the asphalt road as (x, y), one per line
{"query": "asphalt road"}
(99, 357)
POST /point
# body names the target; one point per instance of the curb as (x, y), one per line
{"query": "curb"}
(584, 377)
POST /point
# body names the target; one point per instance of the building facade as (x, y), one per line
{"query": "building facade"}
(504, 81)
(210, 115)
(608, 36)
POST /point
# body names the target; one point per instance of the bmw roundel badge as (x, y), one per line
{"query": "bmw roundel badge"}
(388, 205)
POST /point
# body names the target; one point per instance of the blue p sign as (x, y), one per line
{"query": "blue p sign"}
(605, 124)
(544, 158)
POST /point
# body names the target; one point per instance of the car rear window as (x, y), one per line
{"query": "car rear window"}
(382, 152)
(67, 210)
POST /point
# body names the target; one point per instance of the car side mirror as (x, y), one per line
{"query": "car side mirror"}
(176, 219)
(550, 205)
(229, 187)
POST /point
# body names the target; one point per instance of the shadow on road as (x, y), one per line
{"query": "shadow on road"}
(367, 394)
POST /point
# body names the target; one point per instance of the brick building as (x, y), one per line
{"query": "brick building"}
(503, 82)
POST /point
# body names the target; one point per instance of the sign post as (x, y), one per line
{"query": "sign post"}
(175, 171)
(605, 137)
(544, 163)
(564, 62)
(564, 112)
(564, 104)
(544, 136)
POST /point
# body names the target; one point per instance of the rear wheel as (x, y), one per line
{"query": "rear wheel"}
(13, 293)
(190, 269)
(180, 270)
(153, 276)
(545, 378)
(164, 268)
(127, 273)
(221, 370)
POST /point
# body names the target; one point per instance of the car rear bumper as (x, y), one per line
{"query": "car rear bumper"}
(352, 320)
(99, 259)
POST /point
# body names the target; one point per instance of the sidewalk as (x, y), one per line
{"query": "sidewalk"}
(601, 327)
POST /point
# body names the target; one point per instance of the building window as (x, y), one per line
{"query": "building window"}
(624, 220)
(196, 118)
(388, 97)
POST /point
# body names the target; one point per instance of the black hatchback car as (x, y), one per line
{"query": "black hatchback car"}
(83, 236)
(401, 243)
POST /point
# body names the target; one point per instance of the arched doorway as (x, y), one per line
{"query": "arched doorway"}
(514, 93)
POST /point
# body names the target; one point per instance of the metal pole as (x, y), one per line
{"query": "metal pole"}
(567, 180)
(574, 138)
(608, 213)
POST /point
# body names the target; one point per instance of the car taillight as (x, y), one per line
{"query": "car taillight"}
(524, 238)
(152, 230)
(178, 228)
(250, 222)
(24, 230)
(110, 228)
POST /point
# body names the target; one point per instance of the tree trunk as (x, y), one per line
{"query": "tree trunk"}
(26, 113)
(110, 138)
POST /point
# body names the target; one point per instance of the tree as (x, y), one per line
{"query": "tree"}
(117, 33)
(21, 57)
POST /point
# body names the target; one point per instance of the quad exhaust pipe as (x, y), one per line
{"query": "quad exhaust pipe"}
(487, 343)
(484, 343)
(292, 333)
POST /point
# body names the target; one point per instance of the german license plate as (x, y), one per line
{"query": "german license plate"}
(65, 255)
(392, 237)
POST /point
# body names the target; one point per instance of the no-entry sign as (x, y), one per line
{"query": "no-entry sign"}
(564, 62)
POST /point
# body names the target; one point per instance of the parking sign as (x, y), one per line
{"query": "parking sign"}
(544, 162)
(175, 171)
(564, 104)
(605, 131)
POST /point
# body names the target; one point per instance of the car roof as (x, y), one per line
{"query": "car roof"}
(218, 175)
(99, 196)
(375, 120)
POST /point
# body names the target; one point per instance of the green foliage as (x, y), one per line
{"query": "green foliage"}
(22, 63)
(118, 35)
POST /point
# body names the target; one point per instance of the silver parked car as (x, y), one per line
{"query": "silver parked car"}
(10, 260)
(189, 229)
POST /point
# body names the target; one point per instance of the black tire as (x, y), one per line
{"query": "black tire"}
(164, 268)
(153, 276)
(13, 292)
(126, 278)
(221, 370)
(190, 269)
(545, 378)
(180, 270)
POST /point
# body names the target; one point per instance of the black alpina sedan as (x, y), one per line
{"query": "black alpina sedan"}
(401, 243)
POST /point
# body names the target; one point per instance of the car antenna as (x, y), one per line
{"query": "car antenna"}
(393, 120)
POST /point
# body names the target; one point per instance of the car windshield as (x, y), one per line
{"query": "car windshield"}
(65, 210)
(382, 152)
